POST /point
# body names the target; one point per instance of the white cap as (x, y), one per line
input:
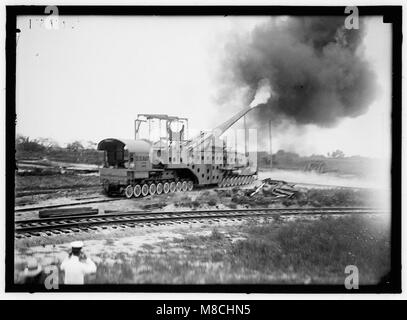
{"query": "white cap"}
(77, 244)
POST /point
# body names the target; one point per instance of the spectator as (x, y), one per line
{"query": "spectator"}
(77, 265)
(33, 273)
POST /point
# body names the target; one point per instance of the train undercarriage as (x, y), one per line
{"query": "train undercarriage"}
(143, 188)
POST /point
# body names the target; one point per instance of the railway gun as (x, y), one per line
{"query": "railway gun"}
(162, 158)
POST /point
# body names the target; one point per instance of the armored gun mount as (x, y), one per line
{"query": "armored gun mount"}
(163, 159)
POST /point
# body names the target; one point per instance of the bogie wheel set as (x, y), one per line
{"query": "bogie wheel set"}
(145, 189)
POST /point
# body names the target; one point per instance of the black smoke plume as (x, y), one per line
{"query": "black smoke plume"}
(315, 67)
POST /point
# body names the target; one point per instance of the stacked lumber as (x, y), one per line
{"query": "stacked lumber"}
(66, 212)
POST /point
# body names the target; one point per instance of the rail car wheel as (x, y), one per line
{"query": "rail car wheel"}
(234, 181)
(239, 181)
(190, 185)
(166, 187)
(172, 187)
(184, 186)
(144, 190)
(153, 188)
(159, 188)
(128, 191)
(228, 182)
(137, 190)
(179, 186)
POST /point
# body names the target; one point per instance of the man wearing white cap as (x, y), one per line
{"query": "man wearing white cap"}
(33, 273)
(77, 265)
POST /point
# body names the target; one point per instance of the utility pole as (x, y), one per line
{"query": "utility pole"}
(271, 149)
(245, 137)
(235, 146)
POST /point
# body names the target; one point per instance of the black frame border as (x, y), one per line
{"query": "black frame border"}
(391, 14)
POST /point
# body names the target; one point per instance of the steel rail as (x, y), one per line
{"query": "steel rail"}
(131, 219)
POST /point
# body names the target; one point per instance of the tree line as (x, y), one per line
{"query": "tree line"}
(25, 143)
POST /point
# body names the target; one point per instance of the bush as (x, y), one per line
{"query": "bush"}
(25, 144)
(330, 198)
(195, 204)
(216, 235)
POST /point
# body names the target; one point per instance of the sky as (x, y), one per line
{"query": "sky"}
(88, 80)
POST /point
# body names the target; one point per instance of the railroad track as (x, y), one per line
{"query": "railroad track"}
(74, 224)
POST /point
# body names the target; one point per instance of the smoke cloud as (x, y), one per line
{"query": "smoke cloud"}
(314, 66)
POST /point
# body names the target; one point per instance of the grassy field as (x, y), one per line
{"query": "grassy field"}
(337, 197)
(331, 198)
(315, 251)
(301, 251)
(55, 182)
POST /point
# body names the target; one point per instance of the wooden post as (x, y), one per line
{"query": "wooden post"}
(245, 137)
(235, 146)
(271, 149)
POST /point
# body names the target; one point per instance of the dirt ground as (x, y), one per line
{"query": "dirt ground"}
(68, 192)
(190, 253)
(229, 252)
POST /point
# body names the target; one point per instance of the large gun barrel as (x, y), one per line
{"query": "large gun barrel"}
(220, 129)
(228, 123)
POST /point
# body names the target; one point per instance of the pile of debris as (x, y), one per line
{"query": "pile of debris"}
(274, 188)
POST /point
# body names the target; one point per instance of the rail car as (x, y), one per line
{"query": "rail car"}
(166, 160)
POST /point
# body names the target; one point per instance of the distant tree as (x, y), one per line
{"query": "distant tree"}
(20, 139)
(338, 154)
(91, 145)
(24, 143)
(49, 143)
(75, 146)
(286, 157)
(317, 156)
